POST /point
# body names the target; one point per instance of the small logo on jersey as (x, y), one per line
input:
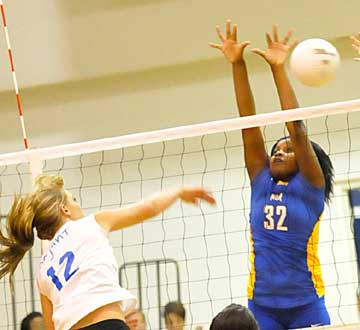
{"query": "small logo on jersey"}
(56, 240)
(276, 197)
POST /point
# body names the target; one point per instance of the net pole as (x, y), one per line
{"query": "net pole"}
(35, 165)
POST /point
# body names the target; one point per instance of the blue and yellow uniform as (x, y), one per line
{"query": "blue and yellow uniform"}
(285, 269)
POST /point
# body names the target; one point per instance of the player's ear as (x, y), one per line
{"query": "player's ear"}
(65, 211)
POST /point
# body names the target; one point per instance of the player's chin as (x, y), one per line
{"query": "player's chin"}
(279, 167)
(279, 171)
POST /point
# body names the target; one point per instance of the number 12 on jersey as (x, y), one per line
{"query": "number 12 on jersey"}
(69, 258)
(269, 222)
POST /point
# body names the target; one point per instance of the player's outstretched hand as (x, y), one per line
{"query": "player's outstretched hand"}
(194, 194)
(356, 45)
(278, 49)
(230, 47)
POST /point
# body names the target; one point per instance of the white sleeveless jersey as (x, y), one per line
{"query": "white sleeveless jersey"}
(79, 273)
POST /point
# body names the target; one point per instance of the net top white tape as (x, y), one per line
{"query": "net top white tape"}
(180, 132)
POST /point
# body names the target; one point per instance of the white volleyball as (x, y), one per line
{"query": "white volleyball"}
(314, 62)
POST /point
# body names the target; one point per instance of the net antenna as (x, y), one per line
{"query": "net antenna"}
(34, 162)
(13, 73)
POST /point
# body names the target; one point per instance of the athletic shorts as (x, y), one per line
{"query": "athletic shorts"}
(112, 324)
(313, 314)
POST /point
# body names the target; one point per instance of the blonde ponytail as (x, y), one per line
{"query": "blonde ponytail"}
(39, 209)
(20, 236)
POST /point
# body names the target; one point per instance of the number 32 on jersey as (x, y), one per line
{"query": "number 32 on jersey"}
(280, 212)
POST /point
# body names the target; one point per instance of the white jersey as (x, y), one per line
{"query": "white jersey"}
(79, 273)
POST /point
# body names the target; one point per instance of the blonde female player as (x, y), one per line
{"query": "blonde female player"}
(77, 279)
(356, 45)
(288, 193)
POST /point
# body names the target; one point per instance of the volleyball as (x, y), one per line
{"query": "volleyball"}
(314, 62)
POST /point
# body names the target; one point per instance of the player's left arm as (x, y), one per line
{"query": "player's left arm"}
(356, 45)
(47, 311)
(276, 56)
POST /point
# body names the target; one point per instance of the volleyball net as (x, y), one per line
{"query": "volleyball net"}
(199, 256)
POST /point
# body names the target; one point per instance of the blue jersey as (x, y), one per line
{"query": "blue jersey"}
(284, 220)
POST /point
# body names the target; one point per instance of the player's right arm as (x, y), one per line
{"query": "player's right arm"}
(47, 311)
(356, 45)
(255, 153)
(112, 220)
(275, 55)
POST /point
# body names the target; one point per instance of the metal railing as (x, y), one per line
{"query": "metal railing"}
(156, 263)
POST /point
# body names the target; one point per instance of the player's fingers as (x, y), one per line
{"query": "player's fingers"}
(268, 39)
(275, 32)
(244, 44)
(228, 25)
(288, 36)
(258, 52)
(234, 32)
(208, 197)
(217, 46)
(222, 38)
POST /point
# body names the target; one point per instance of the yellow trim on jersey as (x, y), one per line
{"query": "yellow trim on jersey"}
(313, 262)
(252, 275)
(282, 183)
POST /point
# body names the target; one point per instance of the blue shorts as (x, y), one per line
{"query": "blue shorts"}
(291, 318)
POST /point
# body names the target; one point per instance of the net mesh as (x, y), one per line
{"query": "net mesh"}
(16, 179)
(209, 246)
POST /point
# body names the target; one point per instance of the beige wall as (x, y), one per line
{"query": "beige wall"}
(115, 67)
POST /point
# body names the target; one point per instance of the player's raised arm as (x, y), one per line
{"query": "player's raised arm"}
(276, 55)
(116, 219)
(255, 154)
